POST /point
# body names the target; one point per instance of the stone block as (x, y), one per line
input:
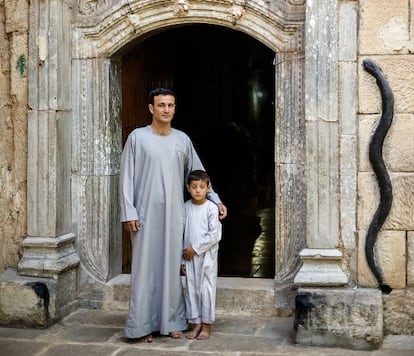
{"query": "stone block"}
(347, 318)
(347, 33)
(401, 216)
(240, 296)
(16, 16)
(35, 301)
(390, 252)
(117, 293)
(398, 151)
(24, 301)
(384, 26)
(399, 71)
(410, 258)
(348, 190)
(399, 312)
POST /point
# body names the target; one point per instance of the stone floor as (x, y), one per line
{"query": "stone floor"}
(96, 332)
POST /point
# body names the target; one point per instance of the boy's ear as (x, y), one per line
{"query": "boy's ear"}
(188, 188)
(209, 187)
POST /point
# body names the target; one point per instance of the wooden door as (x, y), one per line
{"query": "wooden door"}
(140, 74)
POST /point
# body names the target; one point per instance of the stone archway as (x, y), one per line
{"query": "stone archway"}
(87, 125)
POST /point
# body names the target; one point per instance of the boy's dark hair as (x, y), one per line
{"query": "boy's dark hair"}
(198, 175)
(159, 91)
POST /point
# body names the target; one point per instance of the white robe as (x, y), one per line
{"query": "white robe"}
(202, 232)
(152, 178)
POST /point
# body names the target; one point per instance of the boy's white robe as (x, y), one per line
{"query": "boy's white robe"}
(202, 232)
(152, 180)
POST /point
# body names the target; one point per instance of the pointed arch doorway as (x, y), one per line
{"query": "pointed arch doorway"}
(224, 81)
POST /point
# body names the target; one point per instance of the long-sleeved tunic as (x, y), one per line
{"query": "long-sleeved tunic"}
(202, 232)
(152, 177)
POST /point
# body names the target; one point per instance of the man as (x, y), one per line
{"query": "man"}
(154, 165)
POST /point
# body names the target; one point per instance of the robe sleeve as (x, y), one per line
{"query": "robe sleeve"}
(212, 236)
(126, 183)
(194, 163)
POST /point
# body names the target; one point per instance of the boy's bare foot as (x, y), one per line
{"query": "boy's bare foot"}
(176, 334)
(194, 332)
(205, 332)
(146, 338)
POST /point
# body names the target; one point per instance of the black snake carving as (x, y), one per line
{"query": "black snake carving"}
(377, 162)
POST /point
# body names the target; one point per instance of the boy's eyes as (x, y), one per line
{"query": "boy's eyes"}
(199, 186)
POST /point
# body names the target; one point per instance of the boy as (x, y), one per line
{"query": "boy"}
(202, 234)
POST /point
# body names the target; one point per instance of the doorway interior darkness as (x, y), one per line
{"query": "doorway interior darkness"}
(224, 81)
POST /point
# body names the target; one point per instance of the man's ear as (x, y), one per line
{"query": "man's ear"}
(151, 108)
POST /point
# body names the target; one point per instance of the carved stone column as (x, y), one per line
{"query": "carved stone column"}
(49, 250)
(290, 162)
(321, 259)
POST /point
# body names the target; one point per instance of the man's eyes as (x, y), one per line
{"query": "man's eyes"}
(162, 106)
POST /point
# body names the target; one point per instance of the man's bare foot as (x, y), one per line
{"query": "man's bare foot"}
(205, 332)
(194, 332)
(176, 334)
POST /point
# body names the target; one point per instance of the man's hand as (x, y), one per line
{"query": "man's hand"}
(188, 253)
(222, 211)
(132, 226)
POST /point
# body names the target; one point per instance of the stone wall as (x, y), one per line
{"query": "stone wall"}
(385, 36)
(13, 128)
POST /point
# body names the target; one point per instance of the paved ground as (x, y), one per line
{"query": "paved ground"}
(94, 332)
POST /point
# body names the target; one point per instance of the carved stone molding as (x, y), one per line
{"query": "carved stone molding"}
(104, 28)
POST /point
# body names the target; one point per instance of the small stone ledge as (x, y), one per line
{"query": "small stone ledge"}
(338, 317)
(246, 296)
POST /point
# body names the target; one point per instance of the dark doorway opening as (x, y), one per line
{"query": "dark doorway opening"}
(224, 81)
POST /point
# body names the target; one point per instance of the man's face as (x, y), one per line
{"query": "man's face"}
(163, 109)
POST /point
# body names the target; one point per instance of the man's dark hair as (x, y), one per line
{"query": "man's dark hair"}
(198, 175)
(159, 91)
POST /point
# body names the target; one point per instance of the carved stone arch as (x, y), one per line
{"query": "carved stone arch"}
(105, 27)
(101, 31)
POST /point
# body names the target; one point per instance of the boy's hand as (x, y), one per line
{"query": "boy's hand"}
(188, 253)
(182, 270)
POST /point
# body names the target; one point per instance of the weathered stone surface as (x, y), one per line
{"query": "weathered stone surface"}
(399, 312)
(244, 297)
(398, 151)
(13, 128)
(401, 216)
(390, 252)
(347, 31)
(23, 301)
(238, 296)
(399, 71)
(348, 318)
(348, 190)
(410, 258)
(384, 27)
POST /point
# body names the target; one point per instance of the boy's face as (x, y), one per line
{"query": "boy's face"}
(198, 190)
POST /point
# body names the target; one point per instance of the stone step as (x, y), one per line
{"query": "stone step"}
(235, 296)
